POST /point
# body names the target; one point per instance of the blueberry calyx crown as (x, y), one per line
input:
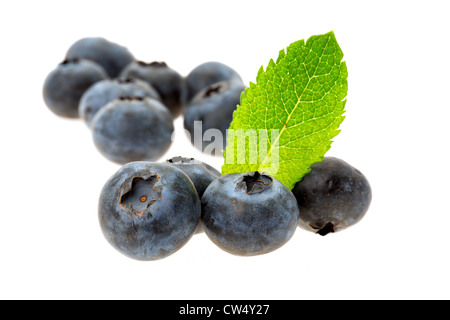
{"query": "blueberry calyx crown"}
(254, 182)
(141, 196)
(130, 98)
(215, 88)
(69, 61)
(181, 160)
(126, 80)
(161, 64)
(326, 229)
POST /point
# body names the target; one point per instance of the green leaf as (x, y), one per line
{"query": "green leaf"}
(285, 122)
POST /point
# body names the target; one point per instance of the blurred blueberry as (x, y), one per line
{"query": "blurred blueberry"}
(205, 75)
(111, 56)
(133, 129)
(148, 211)
(164, 79)
(65, 85)
(105, 91)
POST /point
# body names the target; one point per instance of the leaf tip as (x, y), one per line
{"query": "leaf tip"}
(261, 70)
(281, 55)
(331, 34)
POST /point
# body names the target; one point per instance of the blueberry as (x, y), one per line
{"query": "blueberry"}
(111, 56)
(148, 211)
(249, 213)
(332, 196)
(133, 129)
(214, 107)
(107, 90)
(164, 79)
(205, 75)
(65, 85)
(200, 173)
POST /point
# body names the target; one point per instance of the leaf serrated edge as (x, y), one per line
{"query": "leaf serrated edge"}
(262, 73)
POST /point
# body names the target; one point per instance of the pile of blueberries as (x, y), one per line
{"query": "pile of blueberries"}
(148, 210)
(130, 105)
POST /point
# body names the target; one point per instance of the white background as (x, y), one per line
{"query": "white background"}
(395, 132)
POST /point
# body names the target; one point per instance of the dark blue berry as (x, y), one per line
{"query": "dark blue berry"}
(200, 173)
(133, 129)
(249, 213)
(205, 75)
(213, 107)
(111, 56)
(332, 196)
(65, 85)
(148, 211)
(168, 82)
(105, 91)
